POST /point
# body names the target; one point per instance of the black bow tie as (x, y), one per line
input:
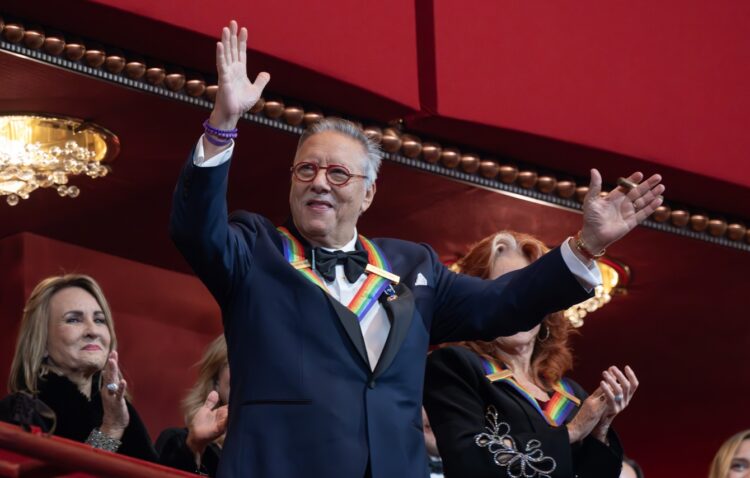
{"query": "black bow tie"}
(354, 263)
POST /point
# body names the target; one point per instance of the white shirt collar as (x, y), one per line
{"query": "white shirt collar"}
(349, 246)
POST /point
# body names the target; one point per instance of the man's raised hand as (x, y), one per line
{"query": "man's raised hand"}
(607, 218)
(236, 93)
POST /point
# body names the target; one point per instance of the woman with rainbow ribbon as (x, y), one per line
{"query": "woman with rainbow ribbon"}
(504, 406)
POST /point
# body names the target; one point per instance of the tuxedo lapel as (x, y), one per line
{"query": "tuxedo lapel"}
(400, 312)
(347, 318)
(351, 326)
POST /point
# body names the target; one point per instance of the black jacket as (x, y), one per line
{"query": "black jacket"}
(488, 429)
(77, 415)
(174, 452)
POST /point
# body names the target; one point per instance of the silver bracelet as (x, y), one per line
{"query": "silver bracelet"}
(99, 440)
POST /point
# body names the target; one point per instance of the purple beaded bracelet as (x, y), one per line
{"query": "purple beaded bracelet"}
(215, 141)
(219, 133)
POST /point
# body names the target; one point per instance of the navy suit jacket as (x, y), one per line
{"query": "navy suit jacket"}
(304, 400)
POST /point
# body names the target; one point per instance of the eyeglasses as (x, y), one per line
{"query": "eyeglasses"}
(336, 174)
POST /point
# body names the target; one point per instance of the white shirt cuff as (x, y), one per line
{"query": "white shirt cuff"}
(588, 276)
(200, 160)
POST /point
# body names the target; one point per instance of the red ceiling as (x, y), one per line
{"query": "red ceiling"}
(369, 44)
(562, 87)
(344, 40)
(662, 81)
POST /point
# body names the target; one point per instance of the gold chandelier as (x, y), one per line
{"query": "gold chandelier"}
(43, 151)
(615, 276)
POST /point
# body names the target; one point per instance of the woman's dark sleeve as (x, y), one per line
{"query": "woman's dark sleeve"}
(459, 414)
(591, 457)
(174, 452)
(24, 410)
(136, 441)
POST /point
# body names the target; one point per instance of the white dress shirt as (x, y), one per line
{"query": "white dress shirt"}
(375, 324)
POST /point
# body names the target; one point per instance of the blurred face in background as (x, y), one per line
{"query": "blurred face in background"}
(740, 464)
(509, 259)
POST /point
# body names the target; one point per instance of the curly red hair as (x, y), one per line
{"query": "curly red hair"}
(552, 357)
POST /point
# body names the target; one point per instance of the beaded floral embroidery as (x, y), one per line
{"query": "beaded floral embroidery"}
(529, 463)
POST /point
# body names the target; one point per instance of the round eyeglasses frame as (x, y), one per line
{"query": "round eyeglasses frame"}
(316, 168)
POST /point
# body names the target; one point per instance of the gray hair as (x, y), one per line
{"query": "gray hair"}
(348, 128)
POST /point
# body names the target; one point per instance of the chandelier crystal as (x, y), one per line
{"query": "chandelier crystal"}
(43, 151)
(615, 277)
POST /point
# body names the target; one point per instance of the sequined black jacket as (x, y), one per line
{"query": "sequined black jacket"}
(487, 429)
(76, 415)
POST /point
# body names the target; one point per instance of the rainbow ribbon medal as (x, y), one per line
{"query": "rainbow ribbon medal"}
(379, 275)
(555, 411)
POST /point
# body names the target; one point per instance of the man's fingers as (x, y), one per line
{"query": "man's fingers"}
(595, 185)
(220, 64)
(262, 80)
(233, 41)
(643, 188)
(643, 214)
(242, 46)
(226, 45)
(645, 199)
(620, 191)
(652, 181)
(635, 177)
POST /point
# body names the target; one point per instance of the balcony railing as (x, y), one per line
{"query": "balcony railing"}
(34, 455)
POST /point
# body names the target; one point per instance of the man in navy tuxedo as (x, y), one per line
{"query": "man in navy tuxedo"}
(328, 332)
